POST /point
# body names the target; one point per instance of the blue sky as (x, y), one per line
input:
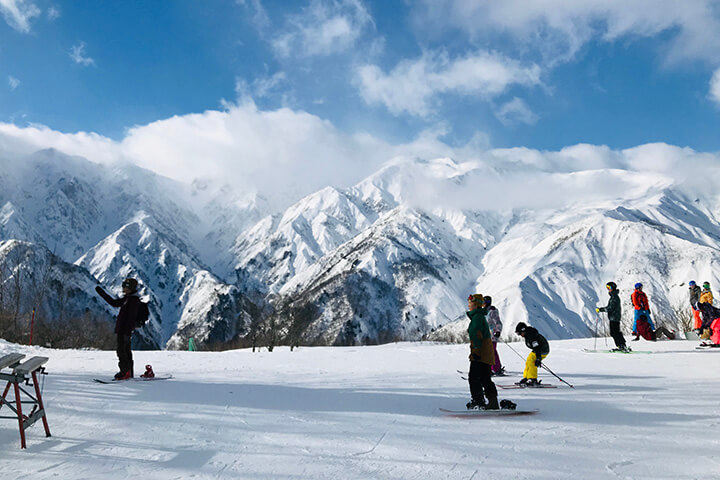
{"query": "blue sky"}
(435, 74)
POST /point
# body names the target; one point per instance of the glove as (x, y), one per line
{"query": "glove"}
(496, 334)
(474, 357)
(597, 310)
(538, 362)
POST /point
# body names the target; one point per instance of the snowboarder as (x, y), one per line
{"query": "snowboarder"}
(129, 305)
(640, 303)
(540, 349)
(481, 357)
(694, 292)
(613, 310)
(645, 330)
(706, 295)
(493, 319)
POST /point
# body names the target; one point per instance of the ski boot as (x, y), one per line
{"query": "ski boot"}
(507, 405)
(499, 373)
(532, 382)
(473, 405)
(148, 372)
(123, 376)
(492, 404)
(522, 382)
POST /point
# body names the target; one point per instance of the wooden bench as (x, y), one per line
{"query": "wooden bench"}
(18, 374)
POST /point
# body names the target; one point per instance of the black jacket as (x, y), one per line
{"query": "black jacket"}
(708, 313)
(613, 309)
(129, 308)
(536, 342)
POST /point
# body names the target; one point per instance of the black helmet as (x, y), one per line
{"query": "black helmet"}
(611, 286)
(488, 300)
(520, 327)
(130, 283)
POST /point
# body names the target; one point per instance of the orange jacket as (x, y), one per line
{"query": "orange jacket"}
(639, 300)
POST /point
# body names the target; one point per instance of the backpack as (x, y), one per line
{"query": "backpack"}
(142, 315)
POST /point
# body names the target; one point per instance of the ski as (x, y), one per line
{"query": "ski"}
(485, 413)
(707, 346)
(134, 379)
(514, 386)
(588, 350)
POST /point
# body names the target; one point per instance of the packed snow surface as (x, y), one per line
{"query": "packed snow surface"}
(371, 413)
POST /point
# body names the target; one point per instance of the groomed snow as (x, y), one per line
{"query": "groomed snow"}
(371, 413)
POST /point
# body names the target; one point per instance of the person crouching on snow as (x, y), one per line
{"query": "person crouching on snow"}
(644, 329)
(540, 349)
(482, 357)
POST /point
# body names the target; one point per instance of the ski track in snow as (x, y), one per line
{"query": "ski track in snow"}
(369, 413)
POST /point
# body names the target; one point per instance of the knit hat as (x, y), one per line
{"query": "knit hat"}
(130, 283)
(477, 298)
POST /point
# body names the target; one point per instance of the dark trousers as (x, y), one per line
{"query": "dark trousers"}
(481, 384)
(616, 334)
(124, 353)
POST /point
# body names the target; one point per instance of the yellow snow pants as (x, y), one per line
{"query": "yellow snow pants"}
(530, 368)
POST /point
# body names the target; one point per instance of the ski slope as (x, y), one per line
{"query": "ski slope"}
(371, 413)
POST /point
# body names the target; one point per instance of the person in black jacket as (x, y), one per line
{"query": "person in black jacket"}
(540, 349)
(129, 305)
(614, 311)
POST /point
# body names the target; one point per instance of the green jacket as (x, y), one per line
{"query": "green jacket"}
(613, 308)
(481, 347)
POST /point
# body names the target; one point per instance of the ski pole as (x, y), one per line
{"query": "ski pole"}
(546, 368)
(597, 325)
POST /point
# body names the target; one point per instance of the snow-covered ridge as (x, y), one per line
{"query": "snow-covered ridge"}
(390, 258)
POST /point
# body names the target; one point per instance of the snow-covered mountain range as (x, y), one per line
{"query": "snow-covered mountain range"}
(390, 258)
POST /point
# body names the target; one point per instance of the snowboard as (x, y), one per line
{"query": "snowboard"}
(588, 350)
(539, 385)
(707, 346)
(134, 379)
(486, 413)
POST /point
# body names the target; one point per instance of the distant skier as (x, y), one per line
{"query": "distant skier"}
(694, 291)
(481, 357)
(706, 295)
(709, 314)
(614, 310)
(493, 319)
(540, 349)
(125, 324)
(645, 330)
(640, 303)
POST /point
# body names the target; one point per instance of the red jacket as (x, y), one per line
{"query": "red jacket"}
(639, 300)
(644, 330)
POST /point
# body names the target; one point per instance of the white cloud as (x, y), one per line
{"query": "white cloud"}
(559, 28)
(325, 27)
(19, 13)
(53, 13)
(77, 53)
(414, 86)
(516, 111)
(13, 82)
(715, 87)
(259, 16)
(285, 154)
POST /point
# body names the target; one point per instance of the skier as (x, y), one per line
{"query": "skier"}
(613, 310)
(640, 302)
(645, 330)
(481, 357)
(706, 295)
(129, 305)
(540, 349)
(694, 291)
(493, 319)
(709, 314)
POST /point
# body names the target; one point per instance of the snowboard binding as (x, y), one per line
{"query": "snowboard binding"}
(148, 372)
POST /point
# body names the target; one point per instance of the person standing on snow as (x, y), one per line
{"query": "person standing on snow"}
(493, 319)
(706, 295)
(614, 310)
(130, 307)
(540, 349)
(694, 292)
(640, 303)
(481, 357)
